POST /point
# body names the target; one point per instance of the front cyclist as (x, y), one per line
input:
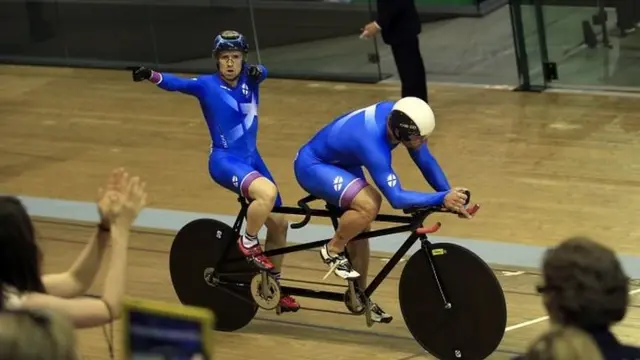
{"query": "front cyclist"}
(329, 167)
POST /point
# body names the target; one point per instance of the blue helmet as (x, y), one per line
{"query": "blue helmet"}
(230, 40)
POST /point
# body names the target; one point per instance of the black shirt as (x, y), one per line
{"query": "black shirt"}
(612, 349)
(398, 19)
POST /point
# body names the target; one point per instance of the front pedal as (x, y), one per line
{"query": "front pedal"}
(382, 317)
(367, 313)
(352, 299)
(358, 303)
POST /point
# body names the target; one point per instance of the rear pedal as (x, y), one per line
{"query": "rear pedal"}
(280, 310)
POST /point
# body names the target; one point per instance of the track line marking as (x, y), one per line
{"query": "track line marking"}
(512, 273)
(526, 323)
(543, 318)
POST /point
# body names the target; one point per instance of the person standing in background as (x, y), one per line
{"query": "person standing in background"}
(628, 14)
(399, 24)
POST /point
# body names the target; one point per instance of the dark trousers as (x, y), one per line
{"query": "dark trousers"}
(410, 67)
(628, 13)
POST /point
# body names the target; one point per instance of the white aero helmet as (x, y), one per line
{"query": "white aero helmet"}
(411, 116)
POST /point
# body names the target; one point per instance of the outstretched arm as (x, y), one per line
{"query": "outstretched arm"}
(378, 163)
(171, 82)
(430, 168)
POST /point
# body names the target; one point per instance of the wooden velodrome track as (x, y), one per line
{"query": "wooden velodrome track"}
(544, 166)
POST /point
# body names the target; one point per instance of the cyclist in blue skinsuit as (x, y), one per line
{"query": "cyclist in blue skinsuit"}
(329, 166)
(229, 100)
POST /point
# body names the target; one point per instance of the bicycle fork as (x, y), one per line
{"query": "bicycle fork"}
(429, 251)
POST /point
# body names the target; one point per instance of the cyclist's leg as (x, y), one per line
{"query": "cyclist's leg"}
(341, 188)
(276, 228)
(359, 252)
(276, 223)
(238, 175)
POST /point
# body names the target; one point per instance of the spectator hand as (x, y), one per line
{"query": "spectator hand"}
(121, 200)
(108, 195)
(134, 198)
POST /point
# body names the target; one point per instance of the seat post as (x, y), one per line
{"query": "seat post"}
(244, 206)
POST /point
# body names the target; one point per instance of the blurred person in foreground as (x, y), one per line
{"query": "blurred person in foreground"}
(23, 286)
(36, 335)
(564, 343)
(586, 288)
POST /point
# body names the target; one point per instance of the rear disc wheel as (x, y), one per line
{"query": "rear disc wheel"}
(208, 270)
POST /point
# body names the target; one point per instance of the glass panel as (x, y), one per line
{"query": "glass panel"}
(591, 52)
(184, 33)
(30, 29)
(315, 39)
(532, 39)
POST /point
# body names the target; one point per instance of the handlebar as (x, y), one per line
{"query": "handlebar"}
(307, 217)
(415, 211)
(435, 227)
(432, 209)
(425, 211)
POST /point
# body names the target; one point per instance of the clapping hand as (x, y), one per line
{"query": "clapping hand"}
(121, 200)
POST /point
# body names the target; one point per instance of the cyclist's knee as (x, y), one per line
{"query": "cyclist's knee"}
(367, 203)
(262, 189)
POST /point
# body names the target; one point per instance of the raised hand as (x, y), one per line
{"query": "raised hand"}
(108, 196)
(141, 73)
(122, 199)
(254, 72)
(133, 201)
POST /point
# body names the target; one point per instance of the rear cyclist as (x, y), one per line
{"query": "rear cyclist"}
(229, 100)
(329, 167)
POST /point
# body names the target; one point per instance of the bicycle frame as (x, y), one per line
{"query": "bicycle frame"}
(411, 223)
